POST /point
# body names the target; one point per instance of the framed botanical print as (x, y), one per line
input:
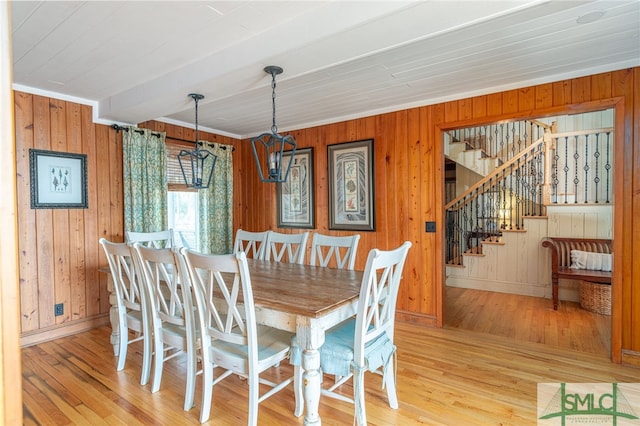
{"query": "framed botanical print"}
(58, 180)
(351, 186)
(295, 196)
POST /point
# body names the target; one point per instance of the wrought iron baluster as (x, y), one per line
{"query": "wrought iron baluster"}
(500, 141)
(607, 167)
(503, 180)
(483, 203)
(575, 174)
(566, 168)
(525, 185)
(518, 173)
(466, 213)
(519, 135)
(596, 155)
(458, 237)
(586, 169)
(554, 175)
(511, 196)
(513, 140)
(492, 141)
(477, 202)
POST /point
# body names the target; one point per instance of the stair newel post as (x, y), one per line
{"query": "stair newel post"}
(548, 147)
(540, 178)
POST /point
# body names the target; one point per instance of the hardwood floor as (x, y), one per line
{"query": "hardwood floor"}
(531, 319)
(449, 376)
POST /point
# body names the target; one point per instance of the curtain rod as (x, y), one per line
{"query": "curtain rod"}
(126, 129)
(117, 128)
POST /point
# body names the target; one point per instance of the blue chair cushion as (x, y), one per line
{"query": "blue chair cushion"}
(336, 354)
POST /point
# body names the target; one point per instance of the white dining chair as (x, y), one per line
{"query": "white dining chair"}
(251, 243)
(289, 248)
(341, 249)
(231, 338)
(157, 239)
(172, 313)
(131, 303)
(363, 343)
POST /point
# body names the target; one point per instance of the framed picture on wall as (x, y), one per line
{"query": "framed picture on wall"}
(58, 180)
(295, 197)
(351, 191)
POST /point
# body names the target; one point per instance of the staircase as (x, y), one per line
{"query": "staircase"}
(494, 228)
(512, 171)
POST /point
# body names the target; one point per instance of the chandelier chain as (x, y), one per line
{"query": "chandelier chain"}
(274, 128)
(196, 99)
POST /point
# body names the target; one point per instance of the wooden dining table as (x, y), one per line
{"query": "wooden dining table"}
(306, 300)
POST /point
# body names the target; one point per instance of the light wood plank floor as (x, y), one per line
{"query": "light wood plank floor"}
(447, 376)
(531, 319)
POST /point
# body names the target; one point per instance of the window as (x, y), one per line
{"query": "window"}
(182, 209)
(182, 203)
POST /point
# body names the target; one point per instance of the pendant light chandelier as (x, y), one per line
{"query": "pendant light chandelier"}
(197, 165)
(273, 144)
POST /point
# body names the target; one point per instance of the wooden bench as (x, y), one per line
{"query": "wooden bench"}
(561, 260)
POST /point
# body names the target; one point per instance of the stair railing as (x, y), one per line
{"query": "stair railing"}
(497, 202)
(502, 140)
(581, 167)
(558, 168)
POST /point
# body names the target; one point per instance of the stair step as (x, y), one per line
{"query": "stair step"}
(495, 242)
(473, 254)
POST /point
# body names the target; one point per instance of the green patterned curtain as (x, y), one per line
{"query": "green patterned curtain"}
(144, 157)
(216, 204)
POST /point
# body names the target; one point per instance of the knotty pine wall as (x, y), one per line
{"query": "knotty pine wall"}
(409, 185)
(59, 253)
(59, 250)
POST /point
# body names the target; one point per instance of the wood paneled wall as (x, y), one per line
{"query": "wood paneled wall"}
(409, 183)
(59, 252)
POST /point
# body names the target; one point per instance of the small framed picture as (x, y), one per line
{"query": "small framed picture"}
(295, 196)
(351, 191)
(58, 180)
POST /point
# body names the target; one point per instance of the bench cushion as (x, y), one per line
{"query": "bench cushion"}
(592, 261)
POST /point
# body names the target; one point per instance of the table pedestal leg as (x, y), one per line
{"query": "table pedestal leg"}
(113, 316)
(311, 382)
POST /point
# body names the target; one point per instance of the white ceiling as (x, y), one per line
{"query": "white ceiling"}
(138, 60)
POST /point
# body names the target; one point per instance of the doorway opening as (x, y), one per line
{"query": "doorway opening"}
(498, 277)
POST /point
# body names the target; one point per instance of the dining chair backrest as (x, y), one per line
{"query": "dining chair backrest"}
(340, 249)
(225, 277)
(127, 285)
(158, 239)
(289, 248)
(171, 309)
(230, 336)
(366, 342)
(131, 303)
(253, 244)
(378, 296)
(169, 298)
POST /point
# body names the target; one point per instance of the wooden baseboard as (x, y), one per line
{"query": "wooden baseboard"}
(630, 358)
(31, 338)
(414, 318)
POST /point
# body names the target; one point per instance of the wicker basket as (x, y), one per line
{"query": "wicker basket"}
(595, 297)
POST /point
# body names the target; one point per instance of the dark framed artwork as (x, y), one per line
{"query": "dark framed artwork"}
(295, 196)
(351, 186)
(58, 180)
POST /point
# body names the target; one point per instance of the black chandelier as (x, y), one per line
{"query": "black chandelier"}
(197, 165)
(272, 143)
